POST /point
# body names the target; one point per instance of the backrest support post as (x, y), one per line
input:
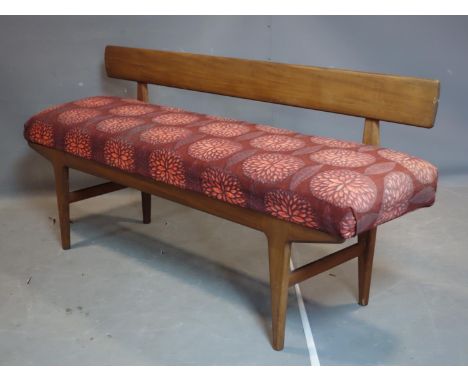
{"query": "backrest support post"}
(142, 92)
(371, 134)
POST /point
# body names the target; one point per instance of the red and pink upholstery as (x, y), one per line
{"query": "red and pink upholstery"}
(339, 187)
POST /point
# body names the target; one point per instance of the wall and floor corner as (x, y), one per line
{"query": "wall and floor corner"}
(418, 301)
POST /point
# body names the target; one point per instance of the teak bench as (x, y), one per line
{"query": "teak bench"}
(323, 190)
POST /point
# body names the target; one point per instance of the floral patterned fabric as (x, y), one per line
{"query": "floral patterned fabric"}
(340, 187)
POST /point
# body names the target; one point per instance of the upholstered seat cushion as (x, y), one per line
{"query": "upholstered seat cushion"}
(336, 186)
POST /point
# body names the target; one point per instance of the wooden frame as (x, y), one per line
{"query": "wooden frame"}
(372, 96)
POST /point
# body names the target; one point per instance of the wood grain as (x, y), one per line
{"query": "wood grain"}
(371, 133)
(371, 136)
(392, 98)
(142, 92)
(142, 95)
(365, 261)
(62, 188)
(325, 263)
(90, 192)
(279, 254)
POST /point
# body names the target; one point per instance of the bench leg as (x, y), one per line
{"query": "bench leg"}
(146, 207)
(279, 253)
(62, 190)
(365, 264)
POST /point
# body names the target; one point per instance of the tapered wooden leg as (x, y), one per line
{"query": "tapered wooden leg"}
(279, 253)
(146, 207)
(62, 189)
(365, 264)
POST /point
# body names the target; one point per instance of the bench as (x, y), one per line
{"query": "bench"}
(291, 186)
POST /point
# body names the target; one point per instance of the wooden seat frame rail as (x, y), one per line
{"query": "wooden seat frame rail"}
(374, 97)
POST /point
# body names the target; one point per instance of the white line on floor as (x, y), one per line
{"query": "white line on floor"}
(314, 360)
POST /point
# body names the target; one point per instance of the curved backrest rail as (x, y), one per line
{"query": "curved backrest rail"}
(406, 100)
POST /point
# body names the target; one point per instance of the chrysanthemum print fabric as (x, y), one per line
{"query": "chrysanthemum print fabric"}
(340, 187)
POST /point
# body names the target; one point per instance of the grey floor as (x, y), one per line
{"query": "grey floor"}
(192, 289)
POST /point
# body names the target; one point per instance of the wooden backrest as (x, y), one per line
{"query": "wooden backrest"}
(406, 100)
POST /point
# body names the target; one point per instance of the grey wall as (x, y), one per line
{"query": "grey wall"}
(48, 60)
